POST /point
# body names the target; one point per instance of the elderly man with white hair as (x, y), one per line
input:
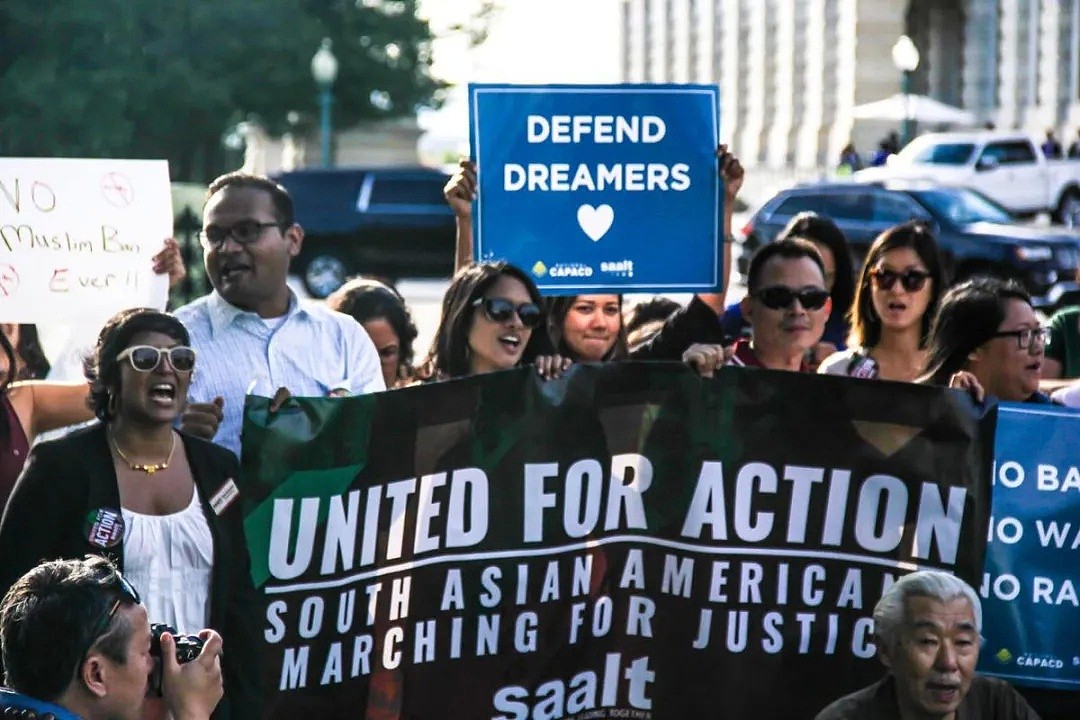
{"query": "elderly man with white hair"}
(927, 628)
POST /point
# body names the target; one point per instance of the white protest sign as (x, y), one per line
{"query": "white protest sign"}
(77, 237)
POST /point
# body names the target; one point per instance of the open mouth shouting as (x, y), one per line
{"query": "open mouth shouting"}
(511, 343)
(163, 393)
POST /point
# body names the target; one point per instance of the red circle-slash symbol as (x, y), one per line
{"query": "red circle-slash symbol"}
(116, 189)
(9, 280)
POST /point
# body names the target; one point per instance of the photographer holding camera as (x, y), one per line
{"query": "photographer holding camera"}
(77, 645)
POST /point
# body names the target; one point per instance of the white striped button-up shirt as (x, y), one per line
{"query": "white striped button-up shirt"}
(313, 352)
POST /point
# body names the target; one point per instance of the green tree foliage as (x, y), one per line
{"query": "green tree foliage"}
(151, 79)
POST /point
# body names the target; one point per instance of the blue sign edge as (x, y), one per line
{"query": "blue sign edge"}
(717, 284)
(1028, 680)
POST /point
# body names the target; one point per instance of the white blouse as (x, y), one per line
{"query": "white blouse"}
(168, 559)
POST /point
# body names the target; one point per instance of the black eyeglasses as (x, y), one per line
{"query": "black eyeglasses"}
(244, 232)
(126, 593)
(1026, 337)
(912, 280)
(500, 310)
(145, 358)
(780, 297)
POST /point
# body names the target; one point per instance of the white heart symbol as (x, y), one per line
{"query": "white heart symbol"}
(595, 221)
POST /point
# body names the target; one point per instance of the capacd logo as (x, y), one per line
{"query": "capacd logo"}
(1004, 656)
(539, 269)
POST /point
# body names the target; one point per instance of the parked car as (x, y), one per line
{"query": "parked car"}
(1009, 168)
(386, 222)
(976, 235)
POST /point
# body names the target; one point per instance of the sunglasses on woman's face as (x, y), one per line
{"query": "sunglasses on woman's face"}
(145, 358)
(912, 280)
(781, 297)
(500, 310)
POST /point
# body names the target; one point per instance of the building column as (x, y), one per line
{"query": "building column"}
(752, 20)
(635, 40)
(732, 102)
(980, 59)
(678, 12)
(864, 70)
(1009, 100)
(783, 52)
(703, 20)
(813, 40)
(1048, 112)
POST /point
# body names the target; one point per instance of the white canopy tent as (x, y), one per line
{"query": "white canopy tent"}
(918, 108)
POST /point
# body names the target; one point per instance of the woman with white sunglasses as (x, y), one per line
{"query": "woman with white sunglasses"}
(161, 505)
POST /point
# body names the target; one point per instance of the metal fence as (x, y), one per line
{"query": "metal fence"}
(186, 229)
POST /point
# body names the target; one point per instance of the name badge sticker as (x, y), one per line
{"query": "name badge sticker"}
(224, 497)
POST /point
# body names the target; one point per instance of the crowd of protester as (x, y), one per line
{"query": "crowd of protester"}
(168, 391)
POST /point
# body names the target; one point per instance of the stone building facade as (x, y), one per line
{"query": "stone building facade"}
(792, 71)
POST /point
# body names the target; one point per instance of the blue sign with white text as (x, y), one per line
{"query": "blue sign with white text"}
(1031, 612)
(599, 188)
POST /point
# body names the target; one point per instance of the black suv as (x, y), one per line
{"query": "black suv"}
(388, 222)
(976, 236)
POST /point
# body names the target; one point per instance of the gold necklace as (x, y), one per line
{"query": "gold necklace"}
(149, 469)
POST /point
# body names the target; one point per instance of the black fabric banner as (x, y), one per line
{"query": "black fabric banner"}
(629, 541)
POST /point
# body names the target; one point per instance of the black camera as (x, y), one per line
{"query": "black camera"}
(188, 648)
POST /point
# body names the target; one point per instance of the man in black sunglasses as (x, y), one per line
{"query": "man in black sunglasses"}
(76, 644)
(787, 306)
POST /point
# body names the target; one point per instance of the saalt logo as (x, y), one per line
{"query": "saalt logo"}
(579, 175)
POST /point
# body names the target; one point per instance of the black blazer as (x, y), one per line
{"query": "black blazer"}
(69, 479)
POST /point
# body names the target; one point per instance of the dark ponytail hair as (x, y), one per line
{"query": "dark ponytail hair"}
(969, 315)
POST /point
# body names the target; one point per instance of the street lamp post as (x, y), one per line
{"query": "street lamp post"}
(324, 67)
(905, 57)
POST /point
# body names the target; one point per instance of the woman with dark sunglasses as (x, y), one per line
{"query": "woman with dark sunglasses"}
(895, 300)
(159, 504)
(490, 316)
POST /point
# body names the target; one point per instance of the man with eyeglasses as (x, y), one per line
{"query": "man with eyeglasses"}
(76, 644)
(252, 333)
(787, 306)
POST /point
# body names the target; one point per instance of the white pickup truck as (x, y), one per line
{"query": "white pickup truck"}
(1006, 167)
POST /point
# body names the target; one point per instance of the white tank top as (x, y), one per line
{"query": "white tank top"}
(168, 559)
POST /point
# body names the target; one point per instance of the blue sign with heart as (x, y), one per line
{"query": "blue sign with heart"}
(599, 188)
